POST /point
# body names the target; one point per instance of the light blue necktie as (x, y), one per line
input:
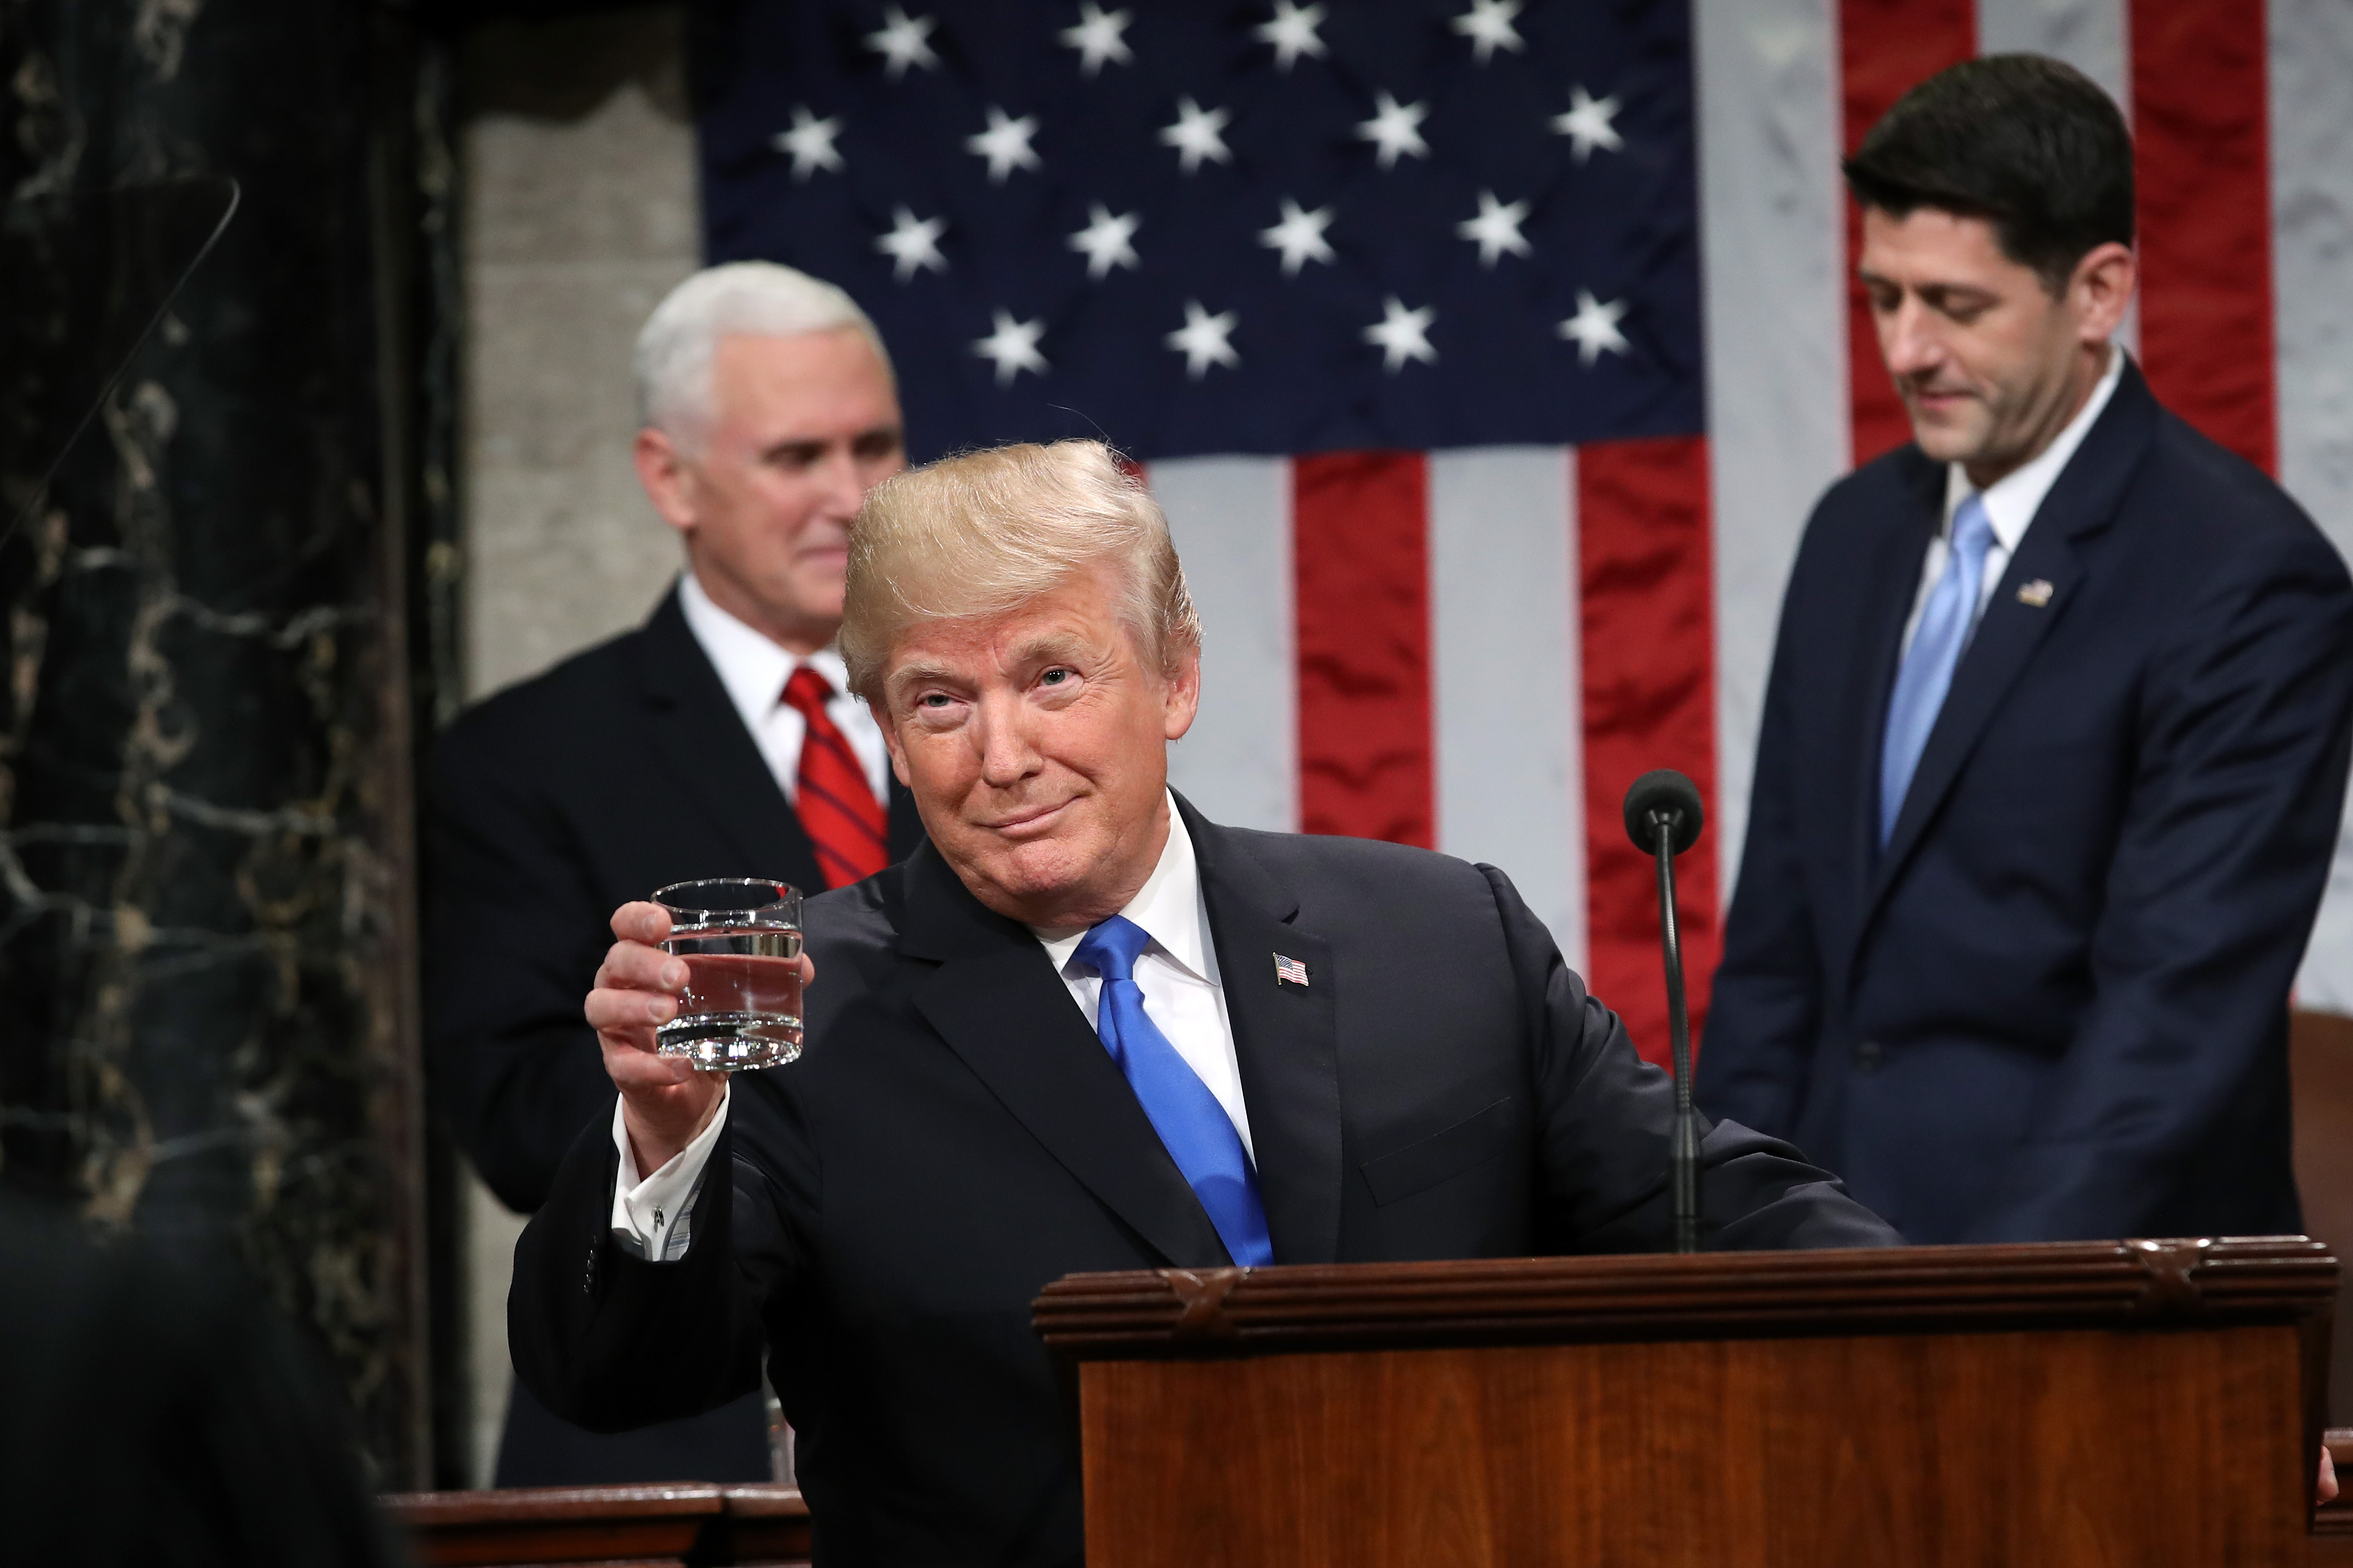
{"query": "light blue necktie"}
(1200, 1136)
(1927, 670)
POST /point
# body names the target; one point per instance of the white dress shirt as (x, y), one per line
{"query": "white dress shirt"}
(1182, 995)
(753, 669)
(1177, 973)
(2011, 500)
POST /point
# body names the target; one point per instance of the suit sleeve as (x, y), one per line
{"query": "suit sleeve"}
(1604, 1120)
(2225, 847)
(513, 935)
(1765, 1005)
(610, 1341)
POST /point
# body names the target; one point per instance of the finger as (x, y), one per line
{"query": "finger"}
(808, 967)
(628, 1013)
(641, 1076)
(634, 966)
(641, 922)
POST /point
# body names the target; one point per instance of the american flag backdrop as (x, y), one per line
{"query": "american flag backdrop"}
(1488, 354)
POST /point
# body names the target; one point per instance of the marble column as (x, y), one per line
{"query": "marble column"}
(206, 1014)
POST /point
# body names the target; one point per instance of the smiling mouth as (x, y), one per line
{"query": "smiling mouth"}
(1031, 818)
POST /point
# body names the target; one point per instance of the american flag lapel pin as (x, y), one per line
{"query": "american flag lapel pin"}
(1290, 972)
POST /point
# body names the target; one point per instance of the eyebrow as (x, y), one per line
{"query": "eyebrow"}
(893, 434)
(1932, 289)
(907, 675)
(1054, 647)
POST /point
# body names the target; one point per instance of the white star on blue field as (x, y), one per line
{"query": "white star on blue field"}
(1268, 227)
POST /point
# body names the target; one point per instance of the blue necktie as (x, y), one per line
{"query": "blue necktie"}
(1200, 1136)
(1927, 670)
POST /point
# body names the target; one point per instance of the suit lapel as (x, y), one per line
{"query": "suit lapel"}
(1286, 1043)
(2083, 499)
(702, 740)
(999, 1006)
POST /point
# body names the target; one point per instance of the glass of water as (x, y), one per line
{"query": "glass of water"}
(741, 939)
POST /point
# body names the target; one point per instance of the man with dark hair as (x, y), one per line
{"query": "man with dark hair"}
(2055, 744)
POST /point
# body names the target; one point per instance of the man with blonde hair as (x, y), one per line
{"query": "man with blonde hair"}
(1082, 1028)
(767, 410)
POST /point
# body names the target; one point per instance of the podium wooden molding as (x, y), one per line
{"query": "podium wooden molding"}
(2137, 1403)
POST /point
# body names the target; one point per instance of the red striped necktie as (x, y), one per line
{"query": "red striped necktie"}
(836, 804)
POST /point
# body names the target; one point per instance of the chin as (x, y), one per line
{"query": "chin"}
(1041, 871)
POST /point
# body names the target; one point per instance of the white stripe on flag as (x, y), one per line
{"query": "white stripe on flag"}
(2091, 36)
(1504, 689)
(1231, 520)
(2312, 257)
(1772, 229)
(2087, 34)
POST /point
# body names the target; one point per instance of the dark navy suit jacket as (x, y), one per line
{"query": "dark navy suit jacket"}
(2054, 1005)
(956, 1137)
(552, 804)
(621, 770)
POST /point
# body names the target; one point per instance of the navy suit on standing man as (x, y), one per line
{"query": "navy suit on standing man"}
(767, 410)
(2054, 741)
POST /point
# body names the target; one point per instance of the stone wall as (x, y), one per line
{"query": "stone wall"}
(206, 984)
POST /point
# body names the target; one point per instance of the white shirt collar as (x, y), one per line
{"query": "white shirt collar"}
(1168, 907)
(2011, 500)
(752, 667)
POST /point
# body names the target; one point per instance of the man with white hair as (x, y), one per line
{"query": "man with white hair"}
(1082, 1028)
(767, 410)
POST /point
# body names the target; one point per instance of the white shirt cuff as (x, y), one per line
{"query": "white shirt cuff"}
(651, 1214)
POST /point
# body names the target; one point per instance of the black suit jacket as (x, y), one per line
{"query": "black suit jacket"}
(956, 1137)
(2054, 1005)
(622, 770)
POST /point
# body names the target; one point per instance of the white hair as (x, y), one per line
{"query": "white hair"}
(673, 363)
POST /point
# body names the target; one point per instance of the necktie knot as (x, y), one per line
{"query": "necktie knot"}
(1972, 531)
(808, 689)
(1114, 947)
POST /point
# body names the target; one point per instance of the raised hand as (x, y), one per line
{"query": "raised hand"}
(664, 1101)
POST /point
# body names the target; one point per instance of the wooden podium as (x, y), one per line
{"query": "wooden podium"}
(2137, 1404)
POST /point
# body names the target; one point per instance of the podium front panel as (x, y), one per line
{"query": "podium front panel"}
(2082, 1406)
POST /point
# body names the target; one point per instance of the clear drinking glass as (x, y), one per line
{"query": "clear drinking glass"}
(741, 939)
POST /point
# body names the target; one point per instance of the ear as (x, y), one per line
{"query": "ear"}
(2100, 289)
(1182, 699)
(666, 476)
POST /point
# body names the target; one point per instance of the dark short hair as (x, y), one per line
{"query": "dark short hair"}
(2027, 142)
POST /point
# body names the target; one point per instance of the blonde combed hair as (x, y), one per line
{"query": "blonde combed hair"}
(978, 535)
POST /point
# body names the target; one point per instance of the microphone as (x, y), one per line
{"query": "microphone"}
(1663, 819)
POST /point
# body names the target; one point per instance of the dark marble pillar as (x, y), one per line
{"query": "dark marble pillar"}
(207, 1018)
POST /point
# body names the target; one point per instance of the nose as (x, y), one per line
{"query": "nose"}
(1906, 340)
(840, 482)
(1007, 754)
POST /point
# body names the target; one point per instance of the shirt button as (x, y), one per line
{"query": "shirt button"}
(1867, 1057)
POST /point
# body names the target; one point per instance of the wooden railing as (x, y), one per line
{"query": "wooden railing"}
(687, 1525)
(682, 1524)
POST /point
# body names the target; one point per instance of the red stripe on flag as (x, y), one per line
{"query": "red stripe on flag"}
(2202, 170)
(1360, 523)
(1649, 650)
(1886, 48)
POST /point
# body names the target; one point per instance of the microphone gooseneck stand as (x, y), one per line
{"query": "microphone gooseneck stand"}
(1663, 817)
